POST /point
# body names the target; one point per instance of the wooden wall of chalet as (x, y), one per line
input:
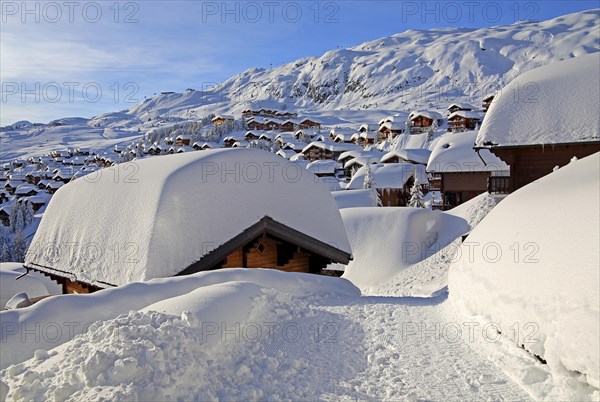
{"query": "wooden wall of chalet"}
(264, 253)
(460, 187)
(393, 197)
(465, 181)
(529, 163)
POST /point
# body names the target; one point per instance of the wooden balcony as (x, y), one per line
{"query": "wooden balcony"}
(499, 185)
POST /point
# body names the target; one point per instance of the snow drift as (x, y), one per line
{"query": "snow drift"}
(63, 317)
(387, 240)
(154, 217)
(534, 266)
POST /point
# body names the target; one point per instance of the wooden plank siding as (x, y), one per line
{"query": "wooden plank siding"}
(530, 163)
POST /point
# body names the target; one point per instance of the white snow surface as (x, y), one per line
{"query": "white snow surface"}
(356, 198)
(556, 103)
(388, 175)
(386, 241)
(164, 213)
(34, 284)
(541, 270)
(454, 152)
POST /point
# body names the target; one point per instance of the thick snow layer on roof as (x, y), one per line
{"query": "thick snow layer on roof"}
(356, 198)
(387, 240)
(467, 114)
(166, 212)
(425, 113)
(557, 103)
(538, 262)
(324, 166)
(388, 175)
(454, 152)
(417, 155)
(332, 146)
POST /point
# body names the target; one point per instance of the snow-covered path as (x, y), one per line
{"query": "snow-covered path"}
(414, 351)
(401, 349)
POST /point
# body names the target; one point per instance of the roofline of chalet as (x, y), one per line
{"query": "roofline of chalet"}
(548, 145)
(266, 225)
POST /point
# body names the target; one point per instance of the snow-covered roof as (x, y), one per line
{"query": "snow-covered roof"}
(332, 146)
(559, 103)
(356, 198)
(178, 209)
(425, 113)
(461, 105)
(467, 114)
(368, 127)
(389, 175)
(362, 160)
(417, 155)
(454, 153)
(25, 189)
(325, 166)
(286, 153)
(393, 125)
(223, 117)
(358, 152)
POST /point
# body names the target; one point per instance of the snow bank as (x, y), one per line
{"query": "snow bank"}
(474, 210)
(62, 317)
(540, 271)
(356, 198)
(33, 284)
(551, 104)
(155, 217)
(454, 152)
(387, 240)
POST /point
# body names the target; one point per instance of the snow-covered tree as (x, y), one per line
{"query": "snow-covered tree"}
(19, 247)
(28, 213)
(5, 254)
(368, 182)
(416, 196)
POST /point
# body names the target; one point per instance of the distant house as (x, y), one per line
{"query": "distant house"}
(323, 168)
(392, 181)
(326, 150)
(458, 172)
(26, 190)
(251, 136)
(534, 138)
(463, 120)
(183, 140)
(309, 123)
(422, 121)
(455, 107)
(417, 156)
(389, 130)
(222, 119)
(487, 102)
(243, 224)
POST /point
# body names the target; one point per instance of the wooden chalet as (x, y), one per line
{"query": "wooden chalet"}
(247, 224)
(183, 140)
(463, 121)
(455, 107)
(222, 119)
(561, 124)
(487, 102)
(308, 123)
(389, 130)
(531, 162)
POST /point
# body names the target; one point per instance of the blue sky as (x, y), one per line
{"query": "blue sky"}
(60, 59)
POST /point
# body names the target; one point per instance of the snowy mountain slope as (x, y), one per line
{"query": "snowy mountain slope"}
(407, 71)
(403, 71)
